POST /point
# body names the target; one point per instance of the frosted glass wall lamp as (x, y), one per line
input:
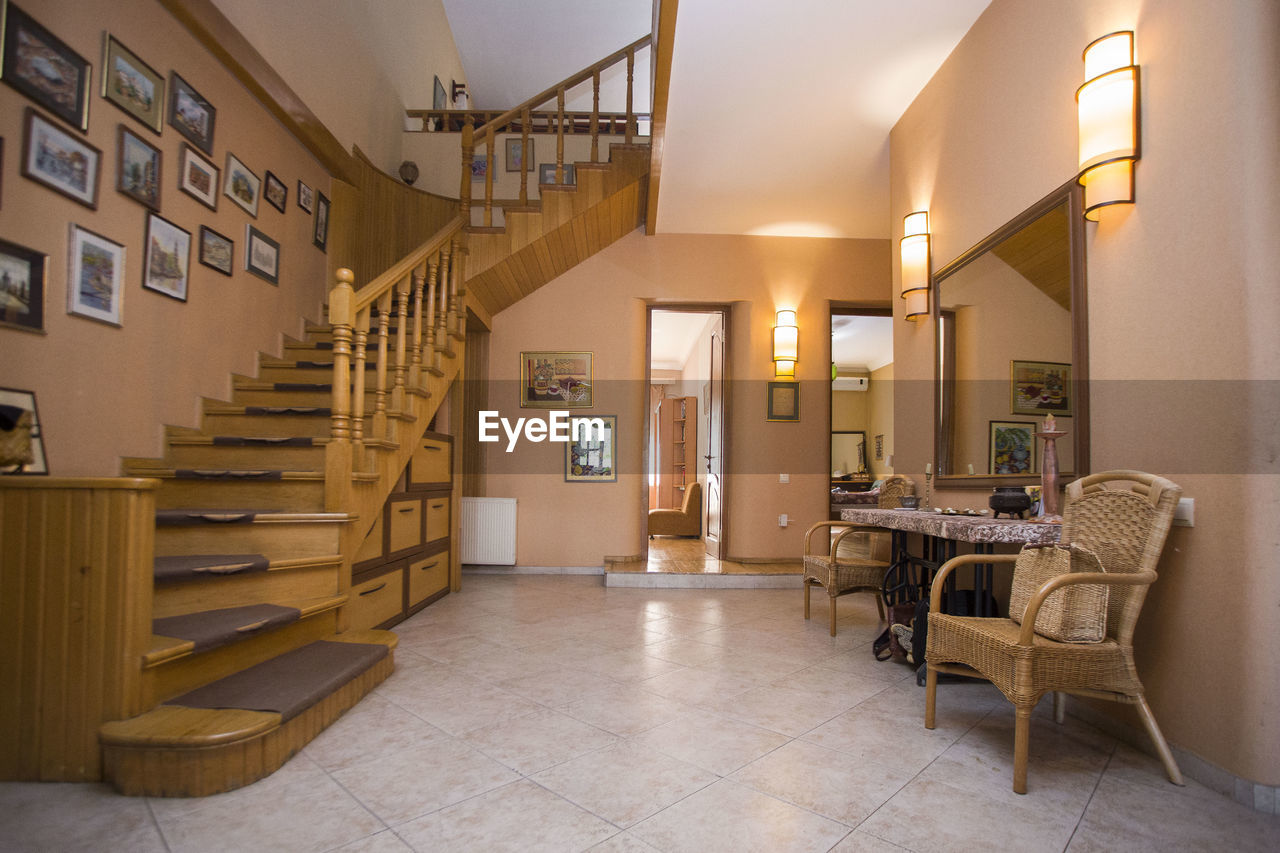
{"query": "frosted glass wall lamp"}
(915, 263)
(786, 344)
(1107, 105)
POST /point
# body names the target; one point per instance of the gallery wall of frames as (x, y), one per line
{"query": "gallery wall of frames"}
(158, 227)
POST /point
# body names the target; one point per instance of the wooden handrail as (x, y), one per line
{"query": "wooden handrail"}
(365, 296)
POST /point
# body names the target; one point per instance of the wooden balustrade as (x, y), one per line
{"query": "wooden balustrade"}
(485, 134)
(421, 278)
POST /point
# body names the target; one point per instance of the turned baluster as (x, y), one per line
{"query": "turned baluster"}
(442, 310)
(434, 354)
(401, 367)
(468, 155)
(360, 357)
(560, 135)
(595, 116)
(415, 361)
(457, 314)
(631, 76)
(379, 426)
(488, 178)
(525, 160)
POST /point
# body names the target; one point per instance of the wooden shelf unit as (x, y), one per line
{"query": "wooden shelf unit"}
(677, 449)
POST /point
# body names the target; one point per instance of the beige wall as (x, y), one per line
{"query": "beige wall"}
(357, 72)
(1180, 287)
(600, 306)
(849, 409)
(880, 393)
(105, 392)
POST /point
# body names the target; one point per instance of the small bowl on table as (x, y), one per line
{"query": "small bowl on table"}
(910, 502)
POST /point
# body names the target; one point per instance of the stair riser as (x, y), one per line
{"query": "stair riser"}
(249, 397)
(313, 426)
(180, 675)
(316, 374)
(216, 592)
(278, 495)
(249, 456)
(275, 541)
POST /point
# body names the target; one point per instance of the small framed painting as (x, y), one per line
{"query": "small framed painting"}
(190, 114)
(21, 442)
(95, 277)
(62, 162)
(198, 177)
(241, 185)
(131, 84)
(216, 251)
(439, 100)
(306, 197)
(138, 169)
(168, 261)
(22, 281)
(261, 255)
(479, 166)
(1012, 447)
(275, 192)
(589, 455)
(547, 174)
(555, 380)
(783, 401)
(321, 235)
(519, 158)
(1039, 388)
(41, 66)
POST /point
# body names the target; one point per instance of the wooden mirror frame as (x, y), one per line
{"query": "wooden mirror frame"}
(944, 386)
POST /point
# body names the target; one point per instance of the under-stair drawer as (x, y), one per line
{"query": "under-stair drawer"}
(428, 576)
(437, 518)
(376, 600)
(405, 524)
(431, 463)
(372, 547)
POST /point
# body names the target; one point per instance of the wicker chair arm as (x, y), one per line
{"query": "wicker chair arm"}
(935, 594)
(808, 534)
(1033, 607)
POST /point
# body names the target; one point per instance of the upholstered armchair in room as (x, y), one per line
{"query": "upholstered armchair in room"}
(1121, 518)
(848, 557)
(685, 521)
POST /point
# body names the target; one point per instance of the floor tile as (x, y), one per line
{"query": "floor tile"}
(373, 728)
(383, 842)
(539, 740)
(710, 741)
(74, 817)
(626, 709)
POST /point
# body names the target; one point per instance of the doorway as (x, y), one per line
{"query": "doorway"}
(861, 450)
(686, 386)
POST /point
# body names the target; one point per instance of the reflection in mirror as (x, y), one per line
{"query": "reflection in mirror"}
(1011, 348)
(848, 454)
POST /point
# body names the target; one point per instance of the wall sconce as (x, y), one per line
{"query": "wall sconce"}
(786, 344)
(1107, 105)
(915, 263)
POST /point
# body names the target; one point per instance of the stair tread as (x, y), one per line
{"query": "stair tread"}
(234, 475)
(175, 637)
(223, 515)
(186, 567)
(265, 441)
(197, 725)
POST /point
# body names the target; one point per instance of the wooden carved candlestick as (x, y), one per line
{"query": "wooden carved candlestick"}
(1049, 471)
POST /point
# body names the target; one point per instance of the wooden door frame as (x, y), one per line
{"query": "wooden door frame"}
(841, 308)
(725, 310)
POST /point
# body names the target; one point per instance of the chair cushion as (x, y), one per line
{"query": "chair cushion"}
(1071, 614)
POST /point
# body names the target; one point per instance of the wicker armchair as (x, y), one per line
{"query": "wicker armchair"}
(1123, 517)
(855, 558)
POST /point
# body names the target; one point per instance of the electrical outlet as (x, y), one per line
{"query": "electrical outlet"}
(784, 478)
(1184, 515)
(782, 520)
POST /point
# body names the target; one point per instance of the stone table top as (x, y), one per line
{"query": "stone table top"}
(959, 528)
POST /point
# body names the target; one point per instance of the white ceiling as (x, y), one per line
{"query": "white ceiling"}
(673, 338)
(779, 113)
(861, 342)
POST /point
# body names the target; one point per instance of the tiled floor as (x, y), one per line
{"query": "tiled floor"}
(555, 713)
(678, 555)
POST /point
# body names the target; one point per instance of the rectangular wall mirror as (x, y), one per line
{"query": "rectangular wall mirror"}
(1012, 344)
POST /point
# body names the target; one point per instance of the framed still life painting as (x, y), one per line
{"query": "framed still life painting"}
(590, 455)
(555, 380)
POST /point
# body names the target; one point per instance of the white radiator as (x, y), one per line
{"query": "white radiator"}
(489, 531)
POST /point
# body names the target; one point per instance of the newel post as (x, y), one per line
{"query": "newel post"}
(338, 452)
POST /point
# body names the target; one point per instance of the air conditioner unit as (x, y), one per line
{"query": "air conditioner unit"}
(849, 383)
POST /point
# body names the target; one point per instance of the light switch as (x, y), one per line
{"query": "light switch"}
(784, 478)
(1184, 515)
(782, 520)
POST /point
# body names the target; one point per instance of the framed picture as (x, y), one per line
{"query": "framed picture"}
(191, 115)
(168, 261)
(216, 251)
(547, 174)
(22, 280)
(18, 415)
(198, 178)
(1039, 388)
(241, 185)
(1013, 447)
(518, 159)
(275, 192)
(261, 255)
(41, 66)
(62, 162)
(131, 84)
(783, 399)
(479, 166)
(306, 197)
(439, 99)
(321, 236)
(138, 169)
(95, 277)
(555, 380)
(589, 455)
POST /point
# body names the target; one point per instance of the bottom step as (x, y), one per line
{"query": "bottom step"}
(242, 728)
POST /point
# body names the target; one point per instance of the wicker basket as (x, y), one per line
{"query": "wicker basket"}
(1072, 614)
